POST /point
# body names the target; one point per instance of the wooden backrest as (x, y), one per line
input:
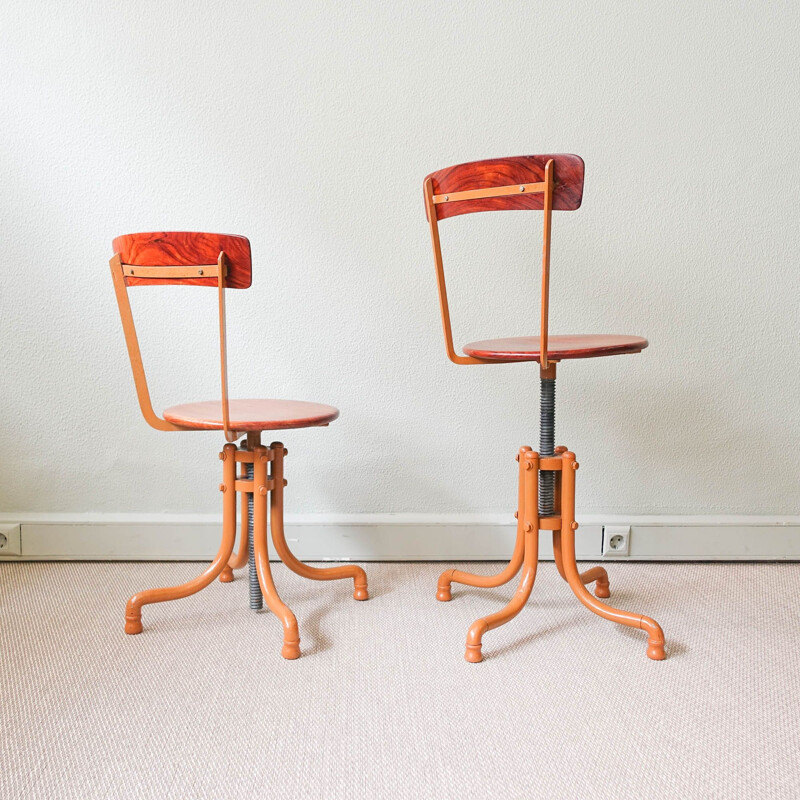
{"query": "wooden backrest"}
(543, 182)
(174, 250)
(515, 172)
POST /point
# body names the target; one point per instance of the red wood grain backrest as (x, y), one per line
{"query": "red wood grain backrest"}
(186, 249)
(494, 172)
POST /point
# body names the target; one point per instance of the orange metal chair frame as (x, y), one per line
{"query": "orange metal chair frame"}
(265, 488)
(526, 182)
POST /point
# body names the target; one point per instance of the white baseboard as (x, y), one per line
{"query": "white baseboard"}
(396, 537)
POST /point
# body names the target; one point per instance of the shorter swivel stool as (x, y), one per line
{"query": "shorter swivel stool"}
(253, 470)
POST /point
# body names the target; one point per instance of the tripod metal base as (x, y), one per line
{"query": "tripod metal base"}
(562, 465)
(255, 485)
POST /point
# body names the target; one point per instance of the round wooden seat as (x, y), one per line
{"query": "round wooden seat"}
(252, 415)
(526, 348)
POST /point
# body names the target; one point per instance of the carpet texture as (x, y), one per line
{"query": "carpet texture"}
(382, 703)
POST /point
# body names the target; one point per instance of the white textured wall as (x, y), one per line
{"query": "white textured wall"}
(309, 127)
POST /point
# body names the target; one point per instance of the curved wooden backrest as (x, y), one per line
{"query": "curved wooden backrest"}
(185, 249)
(513, 173)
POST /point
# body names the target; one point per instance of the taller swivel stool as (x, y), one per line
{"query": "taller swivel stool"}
(223, 262)
(547, 478)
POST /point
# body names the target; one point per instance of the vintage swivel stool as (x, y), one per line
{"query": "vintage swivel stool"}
(221, 261)
(547, 478)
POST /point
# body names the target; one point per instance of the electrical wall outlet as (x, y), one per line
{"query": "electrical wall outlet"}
(10, 540)
(616, 540)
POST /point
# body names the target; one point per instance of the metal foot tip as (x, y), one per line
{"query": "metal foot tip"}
(226, 576)
(473, 654)
(602, 591)
(443, 595)
(133, 626)
(361, 593)
(290, 650)
(656, 652)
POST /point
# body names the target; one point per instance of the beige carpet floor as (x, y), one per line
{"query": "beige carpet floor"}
(382, 703)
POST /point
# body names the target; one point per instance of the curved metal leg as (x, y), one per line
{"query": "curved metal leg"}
(239, 559)
(133, 611)
(443, 588)
(655, 648)
(529, 465)
(360, 591)
(291, 635)
(602, 586)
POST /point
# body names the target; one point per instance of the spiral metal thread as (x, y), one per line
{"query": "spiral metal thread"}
(547, 434)
(256, 598)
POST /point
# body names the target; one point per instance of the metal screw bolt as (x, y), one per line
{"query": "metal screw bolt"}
(199, 272)
(446, 197)
(522, 188)
(262, 490)
(222, 487)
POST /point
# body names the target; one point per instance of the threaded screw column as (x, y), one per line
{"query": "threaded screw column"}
(547, 436)
(256, 598)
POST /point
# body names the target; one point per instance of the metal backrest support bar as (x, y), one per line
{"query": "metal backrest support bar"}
(222, 263)
(432, 200)
(119, 272)
(166, 273)
(495, 191)
(544, 316)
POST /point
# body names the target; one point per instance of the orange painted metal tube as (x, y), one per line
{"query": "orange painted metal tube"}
(291, 634)
(529, 514)
(444, 588)
(239, 559)
(655, 649)
(133, 611)
(598, 574)
(360, 591)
